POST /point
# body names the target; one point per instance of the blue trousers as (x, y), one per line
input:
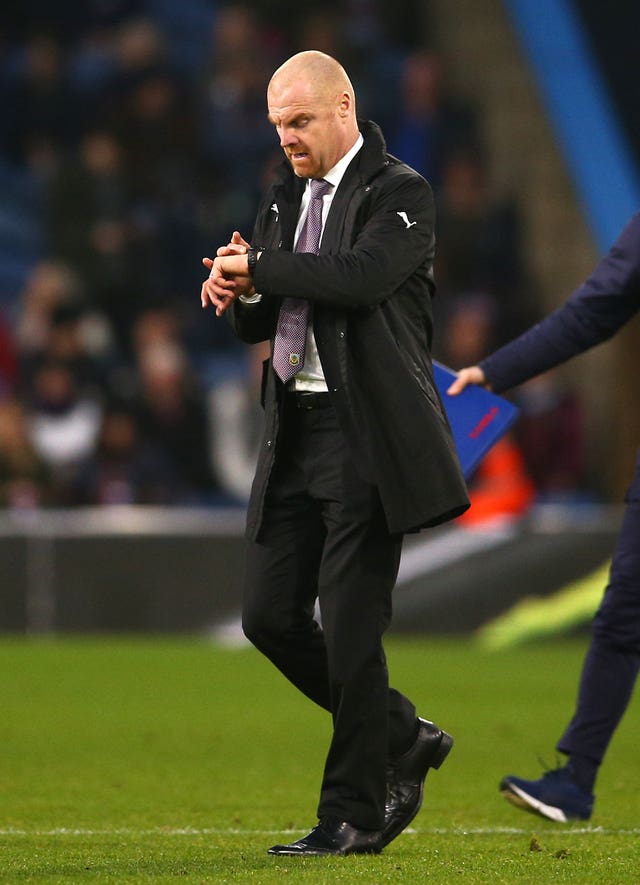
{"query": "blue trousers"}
(613, 658)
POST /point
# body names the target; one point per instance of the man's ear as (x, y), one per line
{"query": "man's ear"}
(345, 104)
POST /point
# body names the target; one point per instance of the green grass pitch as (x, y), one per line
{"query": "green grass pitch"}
(174, 760)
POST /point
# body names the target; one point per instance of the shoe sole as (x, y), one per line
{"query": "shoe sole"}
(522, 799)
(285, 852)
(444, 748)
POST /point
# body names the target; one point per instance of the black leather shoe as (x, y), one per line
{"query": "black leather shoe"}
(333, 836)
(406, 776)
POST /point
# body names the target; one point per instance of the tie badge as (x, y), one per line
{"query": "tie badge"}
(294, 359)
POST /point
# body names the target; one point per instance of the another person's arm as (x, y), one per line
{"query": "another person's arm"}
(591, 315)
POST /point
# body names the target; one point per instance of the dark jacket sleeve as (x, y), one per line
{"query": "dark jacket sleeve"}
(386, 252)
(591, 315)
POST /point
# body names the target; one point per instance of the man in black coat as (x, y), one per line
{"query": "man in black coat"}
(592, 314)
(357, 449)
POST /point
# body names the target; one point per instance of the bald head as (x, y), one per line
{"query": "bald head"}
(312, 105)
(321, 71)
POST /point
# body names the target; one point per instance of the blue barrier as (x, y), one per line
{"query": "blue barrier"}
(580, 109)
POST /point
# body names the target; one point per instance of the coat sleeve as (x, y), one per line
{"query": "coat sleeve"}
(591, 315)
(395, 239)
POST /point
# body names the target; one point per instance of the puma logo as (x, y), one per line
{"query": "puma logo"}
(404, 217)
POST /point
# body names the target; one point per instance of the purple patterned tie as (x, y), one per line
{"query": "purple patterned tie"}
(291, 332)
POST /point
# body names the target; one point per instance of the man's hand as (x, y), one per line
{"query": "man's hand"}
(237, 246)
(471, 375)
(228, 278)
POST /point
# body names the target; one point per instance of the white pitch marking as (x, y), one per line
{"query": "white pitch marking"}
(235, 831)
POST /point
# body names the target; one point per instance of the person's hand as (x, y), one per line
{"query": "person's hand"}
(228, 279)
(470, 375)
(236, 246)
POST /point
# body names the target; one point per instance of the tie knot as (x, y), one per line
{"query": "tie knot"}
(319, 188)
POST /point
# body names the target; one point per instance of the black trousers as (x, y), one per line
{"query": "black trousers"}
(324, 537)
(613, 658)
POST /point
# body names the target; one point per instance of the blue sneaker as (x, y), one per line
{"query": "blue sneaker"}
(555, 796)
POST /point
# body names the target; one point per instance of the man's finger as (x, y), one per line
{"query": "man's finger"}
(231, 249)
(457, 387)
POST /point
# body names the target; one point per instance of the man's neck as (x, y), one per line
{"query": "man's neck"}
(334, 175)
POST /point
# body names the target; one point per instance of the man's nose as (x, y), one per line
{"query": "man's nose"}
(287, 137)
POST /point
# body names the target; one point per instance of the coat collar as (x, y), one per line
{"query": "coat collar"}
(373, 156)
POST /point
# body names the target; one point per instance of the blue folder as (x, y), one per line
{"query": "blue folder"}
(478, 418)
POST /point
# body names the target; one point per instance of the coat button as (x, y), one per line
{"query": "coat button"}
(342, 334)
(268, 443)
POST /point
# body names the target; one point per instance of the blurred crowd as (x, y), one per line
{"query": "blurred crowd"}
(133, 141)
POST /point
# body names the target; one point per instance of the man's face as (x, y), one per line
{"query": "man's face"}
(311, 127)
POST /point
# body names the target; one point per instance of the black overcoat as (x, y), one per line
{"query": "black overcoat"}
(371, 288)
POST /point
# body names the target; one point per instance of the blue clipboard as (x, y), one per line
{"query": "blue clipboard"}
(478, 418)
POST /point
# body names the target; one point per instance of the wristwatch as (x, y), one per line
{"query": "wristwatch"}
(252, 259)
